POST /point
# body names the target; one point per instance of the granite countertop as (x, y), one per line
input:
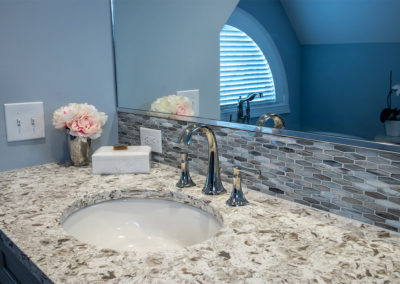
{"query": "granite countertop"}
(272, 240)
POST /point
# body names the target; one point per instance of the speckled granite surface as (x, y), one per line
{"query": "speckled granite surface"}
(271, 240)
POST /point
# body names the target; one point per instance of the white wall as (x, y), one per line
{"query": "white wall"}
(55, 51)
(163, 46)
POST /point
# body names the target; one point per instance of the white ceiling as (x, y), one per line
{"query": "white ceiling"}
(344, 21)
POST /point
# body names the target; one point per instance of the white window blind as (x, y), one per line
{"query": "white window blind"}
(243, 68)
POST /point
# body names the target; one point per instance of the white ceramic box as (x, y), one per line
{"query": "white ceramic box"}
(136, 159)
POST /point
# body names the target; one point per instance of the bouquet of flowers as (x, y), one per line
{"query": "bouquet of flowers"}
(80, 119)
(173, 104)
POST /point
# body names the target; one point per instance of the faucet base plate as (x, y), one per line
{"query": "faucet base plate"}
(237, 199)
(213, 191)
(185, 181)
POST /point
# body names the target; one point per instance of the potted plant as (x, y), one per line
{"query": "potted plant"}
(391, 116)
(82, 123)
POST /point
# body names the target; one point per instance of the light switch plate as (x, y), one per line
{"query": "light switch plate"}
(24, 121)
(152, 138)
(193, 96)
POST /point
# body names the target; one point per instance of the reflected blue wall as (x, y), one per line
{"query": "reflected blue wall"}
(333, 87)
(167, 46)
(272, 16)
(344, 87)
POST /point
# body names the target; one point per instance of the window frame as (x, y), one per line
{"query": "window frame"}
(245, 22)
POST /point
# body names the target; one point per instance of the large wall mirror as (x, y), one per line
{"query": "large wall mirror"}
(324, 67)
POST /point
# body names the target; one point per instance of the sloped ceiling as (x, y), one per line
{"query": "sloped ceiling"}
(344, 21)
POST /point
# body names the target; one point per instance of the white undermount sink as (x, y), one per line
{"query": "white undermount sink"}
(141, 225)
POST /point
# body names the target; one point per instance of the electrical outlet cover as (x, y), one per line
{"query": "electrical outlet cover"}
(152, 138)
(24, 121)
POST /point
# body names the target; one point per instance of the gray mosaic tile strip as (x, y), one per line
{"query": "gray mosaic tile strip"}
(357, 183)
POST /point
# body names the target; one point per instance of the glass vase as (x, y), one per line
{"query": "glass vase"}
(79, 149)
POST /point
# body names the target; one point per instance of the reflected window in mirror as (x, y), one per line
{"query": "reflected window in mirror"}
(250, 63)
(245, 75)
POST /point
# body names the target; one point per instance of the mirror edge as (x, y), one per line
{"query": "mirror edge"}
(274, 131)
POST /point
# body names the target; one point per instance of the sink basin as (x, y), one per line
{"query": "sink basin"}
(141, 224)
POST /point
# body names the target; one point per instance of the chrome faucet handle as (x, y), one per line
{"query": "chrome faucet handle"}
(237, 197)
(185, 179)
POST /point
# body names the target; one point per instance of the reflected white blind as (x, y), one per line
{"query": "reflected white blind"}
(243, 68)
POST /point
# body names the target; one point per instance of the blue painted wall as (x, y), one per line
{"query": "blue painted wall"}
(55, 51)
(344, 87)
(272, 16)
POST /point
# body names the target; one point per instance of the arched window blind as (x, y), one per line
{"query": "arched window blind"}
(243, 68)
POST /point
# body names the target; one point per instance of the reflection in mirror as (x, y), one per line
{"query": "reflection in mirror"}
(323, 66)
(278, 121)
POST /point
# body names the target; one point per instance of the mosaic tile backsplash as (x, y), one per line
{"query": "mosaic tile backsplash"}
(358, 183)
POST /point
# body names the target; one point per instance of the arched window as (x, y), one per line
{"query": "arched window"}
(243, 68)
(256, 49)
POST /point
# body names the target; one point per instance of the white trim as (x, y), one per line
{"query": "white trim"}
(248, 24)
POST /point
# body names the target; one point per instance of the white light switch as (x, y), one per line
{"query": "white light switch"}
(192, 95)
(24, 121)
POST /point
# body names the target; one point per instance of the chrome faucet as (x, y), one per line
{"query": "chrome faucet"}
(237, 197)
(240, 116)
(213, 185)
(278, 120)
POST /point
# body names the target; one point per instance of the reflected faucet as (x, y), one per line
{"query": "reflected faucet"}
(213, 185)
(278, 120)
(246, 118)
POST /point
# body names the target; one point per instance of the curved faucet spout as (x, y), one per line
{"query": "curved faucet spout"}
(186, 135)
(250, 97)
(278, 120)
(213, 185)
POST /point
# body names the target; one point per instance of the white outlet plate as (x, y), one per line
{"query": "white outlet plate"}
(192, 95)
(152, 138)
(24, 121)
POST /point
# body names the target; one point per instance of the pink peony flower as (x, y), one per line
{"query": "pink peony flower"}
(81, 119)
(61, 116)
(173, 104)
(184, 109)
